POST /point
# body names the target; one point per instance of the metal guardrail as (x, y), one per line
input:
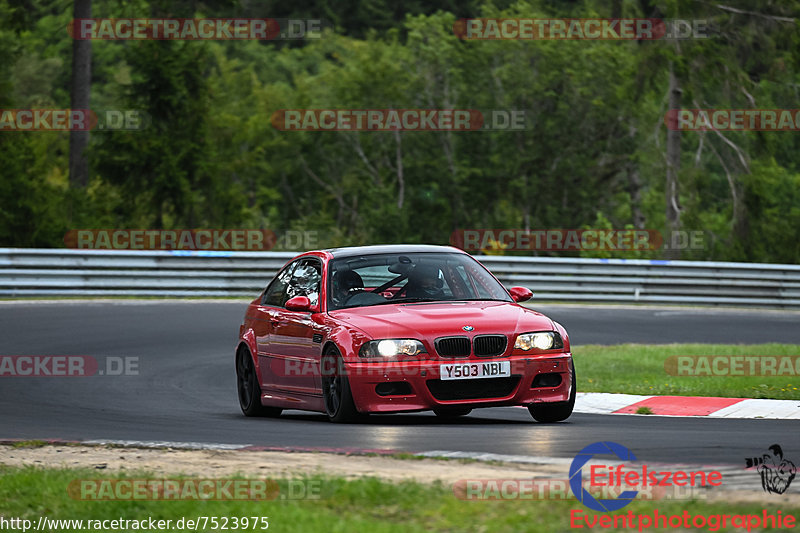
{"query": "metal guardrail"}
(61, 272)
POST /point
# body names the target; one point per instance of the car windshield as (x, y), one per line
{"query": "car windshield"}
(405, 278)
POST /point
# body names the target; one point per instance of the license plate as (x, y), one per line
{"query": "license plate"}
(489, 369)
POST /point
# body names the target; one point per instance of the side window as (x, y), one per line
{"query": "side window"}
(305, 281)
(276, 292)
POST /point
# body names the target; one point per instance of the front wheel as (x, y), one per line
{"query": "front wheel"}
(339, 404)
(555, 411)
(248, 388)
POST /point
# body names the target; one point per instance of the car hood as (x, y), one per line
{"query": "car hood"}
(429, 320)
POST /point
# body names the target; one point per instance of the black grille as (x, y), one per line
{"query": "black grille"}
(452, 346)
(489, 345)
(472, 389)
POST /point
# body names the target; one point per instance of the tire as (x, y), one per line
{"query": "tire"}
(248, 387)
(336, 394)
(555, 411)
(452, 413)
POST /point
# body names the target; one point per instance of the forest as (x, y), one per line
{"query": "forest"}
(595, 150)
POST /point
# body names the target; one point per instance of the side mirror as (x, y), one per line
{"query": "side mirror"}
(300, 303)
(520, 294)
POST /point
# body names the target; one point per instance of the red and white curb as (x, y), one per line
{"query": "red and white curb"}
(712, 407)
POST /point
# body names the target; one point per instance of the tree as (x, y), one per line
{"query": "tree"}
(163, 170)
(81, 90)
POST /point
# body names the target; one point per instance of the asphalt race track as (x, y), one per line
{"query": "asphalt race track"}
(185, 390)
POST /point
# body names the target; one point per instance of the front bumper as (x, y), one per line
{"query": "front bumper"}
(415, 385)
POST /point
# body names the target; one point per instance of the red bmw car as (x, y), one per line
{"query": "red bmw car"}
(386, 329)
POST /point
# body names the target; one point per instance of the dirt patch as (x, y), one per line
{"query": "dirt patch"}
(215, 463)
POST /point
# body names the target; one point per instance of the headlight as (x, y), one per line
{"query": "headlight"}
(542, 340)
(392, 348)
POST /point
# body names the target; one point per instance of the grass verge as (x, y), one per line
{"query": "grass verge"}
(640, 369)
(344, 506)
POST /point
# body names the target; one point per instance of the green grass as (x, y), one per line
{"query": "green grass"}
(29, 444)
(639, 369)
(345, 506)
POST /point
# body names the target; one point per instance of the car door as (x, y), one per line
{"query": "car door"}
(292, 343)
(267, 316)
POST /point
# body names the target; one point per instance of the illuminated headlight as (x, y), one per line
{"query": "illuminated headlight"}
(542, 340)
(392, 348)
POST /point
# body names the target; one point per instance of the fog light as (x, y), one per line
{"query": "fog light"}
(548, 380)
(393, 388)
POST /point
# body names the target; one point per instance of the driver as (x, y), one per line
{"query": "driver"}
(345, 284)
(424, 282)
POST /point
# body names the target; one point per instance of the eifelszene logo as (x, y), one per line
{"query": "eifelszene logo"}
(576, 476)
(776, 471)
(616, 477)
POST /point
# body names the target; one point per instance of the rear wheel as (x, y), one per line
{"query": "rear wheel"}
(452, 412)
(249, 390)
(339, 404)
(555, 411)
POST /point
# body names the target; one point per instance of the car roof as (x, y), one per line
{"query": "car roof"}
(391, 249)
